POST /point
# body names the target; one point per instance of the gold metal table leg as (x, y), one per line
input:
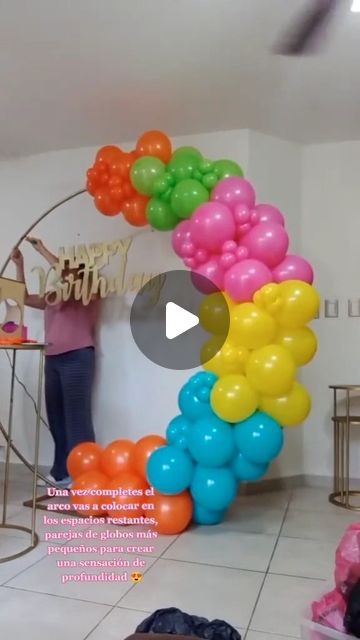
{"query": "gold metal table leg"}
(9, 440)
(4, 524)
(342, 494)
(37, 446)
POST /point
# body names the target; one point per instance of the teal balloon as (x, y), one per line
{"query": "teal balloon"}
(213, 488)
(160, 215)
(247, 471)
(227, 168)
(202, 379)
(194, 396)
(187, 196)
(211, 442)
(210, 180)
(207, 517)
(145, 172)
(182, 442)
(170, 470)
(191, 406)
(259, 438)
(177, 427)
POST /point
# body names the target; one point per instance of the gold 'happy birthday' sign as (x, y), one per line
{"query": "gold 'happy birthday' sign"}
(83, 280)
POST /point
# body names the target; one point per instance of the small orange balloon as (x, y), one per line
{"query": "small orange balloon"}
(155, 143)
(83, 458)
(81, 498)
(134, 211)
(105, 203)
(91, 186)
(142, 452)
(126, 505)
(116, 458)
(172, 513)
(109, 153)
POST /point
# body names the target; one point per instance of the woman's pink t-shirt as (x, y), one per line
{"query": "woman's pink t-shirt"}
(70, 326)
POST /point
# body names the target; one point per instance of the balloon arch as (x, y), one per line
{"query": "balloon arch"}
(235, 412)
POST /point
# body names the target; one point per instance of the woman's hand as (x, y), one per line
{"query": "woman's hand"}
(36, 243)
(17, 257)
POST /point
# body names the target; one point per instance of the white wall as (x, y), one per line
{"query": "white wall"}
(330, 233)
(133, 397)
(275, 170)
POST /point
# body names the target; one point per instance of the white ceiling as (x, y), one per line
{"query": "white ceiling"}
(83, 72)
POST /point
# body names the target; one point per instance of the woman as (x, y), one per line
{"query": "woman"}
(70, 329)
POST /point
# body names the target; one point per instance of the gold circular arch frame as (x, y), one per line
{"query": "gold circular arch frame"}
(58, 204)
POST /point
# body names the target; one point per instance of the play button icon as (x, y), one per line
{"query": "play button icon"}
(178, 320)
(165, 319)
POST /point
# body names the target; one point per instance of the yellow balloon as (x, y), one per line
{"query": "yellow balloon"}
(290, 409)
(302, 343)
(214, 314)
(271, 370)
(300, 304)
(267, 296)
(233, 399)
(251, 326)
(293, 303)
(223, 358)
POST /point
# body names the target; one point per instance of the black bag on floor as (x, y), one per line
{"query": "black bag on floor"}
(176, 622)
(352, 616)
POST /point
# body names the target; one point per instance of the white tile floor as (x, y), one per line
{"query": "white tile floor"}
(258, 571)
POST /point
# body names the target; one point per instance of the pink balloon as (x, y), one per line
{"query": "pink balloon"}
(267, 213)
(294, 268)
(180, 235)
(245, 278)
(267, 242)
(212, 224)
(233, 191)
(208, 277)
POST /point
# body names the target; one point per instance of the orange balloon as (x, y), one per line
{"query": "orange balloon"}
(129, 190)
(155, 143)
(93, 174)
(91, 186)
(135, 211)
(142, 452)
(109, 153)
(105, 203)
(115, 458)
(126, 505)
(83, 458)
(87, 504)
(172, 513)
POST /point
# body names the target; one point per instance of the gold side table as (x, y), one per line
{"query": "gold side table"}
(4, 525)
(343, 423)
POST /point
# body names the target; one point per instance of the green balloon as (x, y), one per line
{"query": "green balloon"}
(210, 180)
(227, 168)
(197, 175)
(206, 166)
(160, 185)
(188, 151)
(167, 195)
(184, 162)
(187, 196)
(145, 172)
(160, 215)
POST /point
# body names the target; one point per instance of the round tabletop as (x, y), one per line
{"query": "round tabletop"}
(345, 387)
(23, 346)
